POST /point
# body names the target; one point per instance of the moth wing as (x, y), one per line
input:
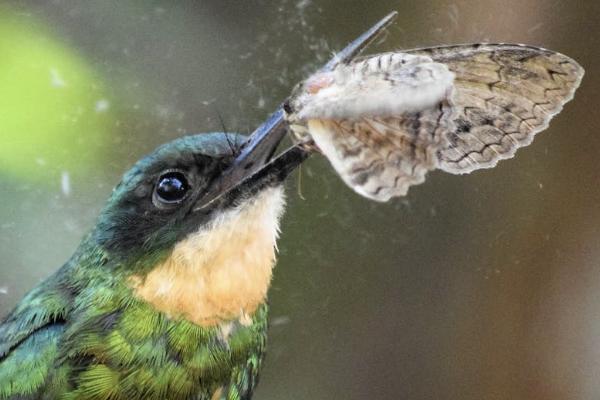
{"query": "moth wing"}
(379, 157)
(387, 84)
(503, 95)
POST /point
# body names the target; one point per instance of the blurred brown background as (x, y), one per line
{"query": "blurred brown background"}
(484, 286)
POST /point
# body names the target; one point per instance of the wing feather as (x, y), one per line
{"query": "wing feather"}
(29, 336)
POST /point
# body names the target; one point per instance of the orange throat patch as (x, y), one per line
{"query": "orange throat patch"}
(222, 271)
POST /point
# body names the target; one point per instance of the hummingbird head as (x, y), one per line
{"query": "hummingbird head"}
(194, 224)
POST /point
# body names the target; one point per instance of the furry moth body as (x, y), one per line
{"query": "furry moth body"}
(384, 121)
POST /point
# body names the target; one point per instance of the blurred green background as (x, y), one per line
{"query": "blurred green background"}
(484, 286)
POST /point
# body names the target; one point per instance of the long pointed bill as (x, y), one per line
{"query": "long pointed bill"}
(261, 145)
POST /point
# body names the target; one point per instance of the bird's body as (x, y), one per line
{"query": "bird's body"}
(163, 299)
(93, 340)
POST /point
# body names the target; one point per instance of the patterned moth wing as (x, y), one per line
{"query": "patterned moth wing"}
(503, 95)
(378, 120)
(381, 157)
(384, 121)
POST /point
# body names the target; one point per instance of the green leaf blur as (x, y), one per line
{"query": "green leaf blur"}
(53, 111)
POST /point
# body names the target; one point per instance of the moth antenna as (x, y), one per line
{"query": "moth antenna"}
(232, 147)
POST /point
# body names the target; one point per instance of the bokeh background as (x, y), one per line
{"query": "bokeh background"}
(484, 286)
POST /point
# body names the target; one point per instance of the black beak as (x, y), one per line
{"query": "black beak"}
(255, 156)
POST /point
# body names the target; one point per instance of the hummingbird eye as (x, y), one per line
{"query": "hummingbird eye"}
(171, 188)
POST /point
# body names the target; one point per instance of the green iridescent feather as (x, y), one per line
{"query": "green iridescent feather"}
(82, 334)
(90, 339)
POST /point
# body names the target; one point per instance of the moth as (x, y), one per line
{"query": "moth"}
(384, 121)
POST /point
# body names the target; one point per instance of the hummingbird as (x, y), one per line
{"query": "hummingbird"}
(166, 296)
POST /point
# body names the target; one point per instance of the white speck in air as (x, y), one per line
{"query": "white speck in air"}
(102, 105)
(65, 183)
(282, 320)
(302, 4)
(535, 28)
(3, 290)
(453, 14)
(261, 102)
(56, 79)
